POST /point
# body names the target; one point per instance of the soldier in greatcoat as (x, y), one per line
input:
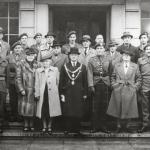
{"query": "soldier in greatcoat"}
(14, 59)
(38, 42)
(144, 64)
(25, 80)
(73, 91)
(87, 51)
(125, 81)
(143, 42)
(112, 55)
(3, 90)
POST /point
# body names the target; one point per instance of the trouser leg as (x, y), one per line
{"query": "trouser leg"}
(145, 108)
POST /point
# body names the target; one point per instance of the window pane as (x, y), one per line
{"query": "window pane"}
(13, 39)
(4, 24)
(14, 9)
(3, 9)
(14, 26)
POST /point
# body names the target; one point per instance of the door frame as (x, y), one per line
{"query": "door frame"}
(106, 8)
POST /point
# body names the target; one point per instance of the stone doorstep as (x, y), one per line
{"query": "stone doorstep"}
(20, 134)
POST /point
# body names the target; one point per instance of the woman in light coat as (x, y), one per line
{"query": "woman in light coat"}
(46, 91)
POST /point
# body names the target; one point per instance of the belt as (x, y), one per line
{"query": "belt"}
(100, 75)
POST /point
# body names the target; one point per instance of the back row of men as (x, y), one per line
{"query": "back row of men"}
(111, 75)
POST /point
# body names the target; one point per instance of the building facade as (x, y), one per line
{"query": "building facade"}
(108, 17)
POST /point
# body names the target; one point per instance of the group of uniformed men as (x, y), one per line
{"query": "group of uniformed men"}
(47, 80)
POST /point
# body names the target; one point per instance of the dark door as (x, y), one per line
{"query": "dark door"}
(84, 20)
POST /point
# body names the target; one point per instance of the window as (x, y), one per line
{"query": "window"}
(9, 20)
(145, 16)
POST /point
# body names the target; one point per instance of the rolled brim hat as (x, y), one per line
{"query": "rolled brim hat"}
(112, 43)
(23, 34)
(144, 33)
(30, 51)
(126, 34)
(86, 38)
(15, 44)
(37, 34)
(74, 50)
(50, 34)
(127, 52)
(70, 33)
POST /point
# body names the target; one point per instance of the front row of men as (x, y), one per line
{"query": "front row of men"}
(47, 91)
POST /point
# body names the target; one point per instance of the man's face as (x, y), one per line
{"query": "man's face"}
(24, 40)
(100, 50)
(31, 57)
(38, 39)
(127, 40)
(1, 36)
(86, 44)
(144, 39)
(147, 51)
(126, 57)
(57, 50)
(18, 49)
(50, 39)
(74, 57)
(113, 48)
(72, 38)
(99, 39)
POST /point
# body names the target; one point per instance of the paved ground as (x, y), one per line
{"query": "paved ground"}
(75, 144)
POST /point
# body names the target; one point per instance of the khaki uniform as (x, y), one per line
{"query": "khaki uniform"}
(144, 64)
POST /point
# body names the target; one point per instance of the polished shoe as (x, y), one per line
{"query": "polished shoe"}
(44, 130)
(32, 129)
(143, 129)
(49, 131)
(25, 129)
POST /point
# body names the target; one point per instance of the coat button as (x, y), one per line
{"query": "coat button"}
(49, 89)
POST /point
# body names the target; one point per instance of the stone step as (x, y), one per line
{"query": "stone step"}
(19, 134)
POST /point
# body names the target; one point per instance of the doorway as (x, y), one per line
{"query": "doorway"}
(83, 19)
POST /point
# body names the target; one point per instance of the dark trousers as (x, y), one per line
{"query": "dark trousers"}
(13, 100)
(99, 105)
(2, 106)
(146, 108)
(72, 124)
